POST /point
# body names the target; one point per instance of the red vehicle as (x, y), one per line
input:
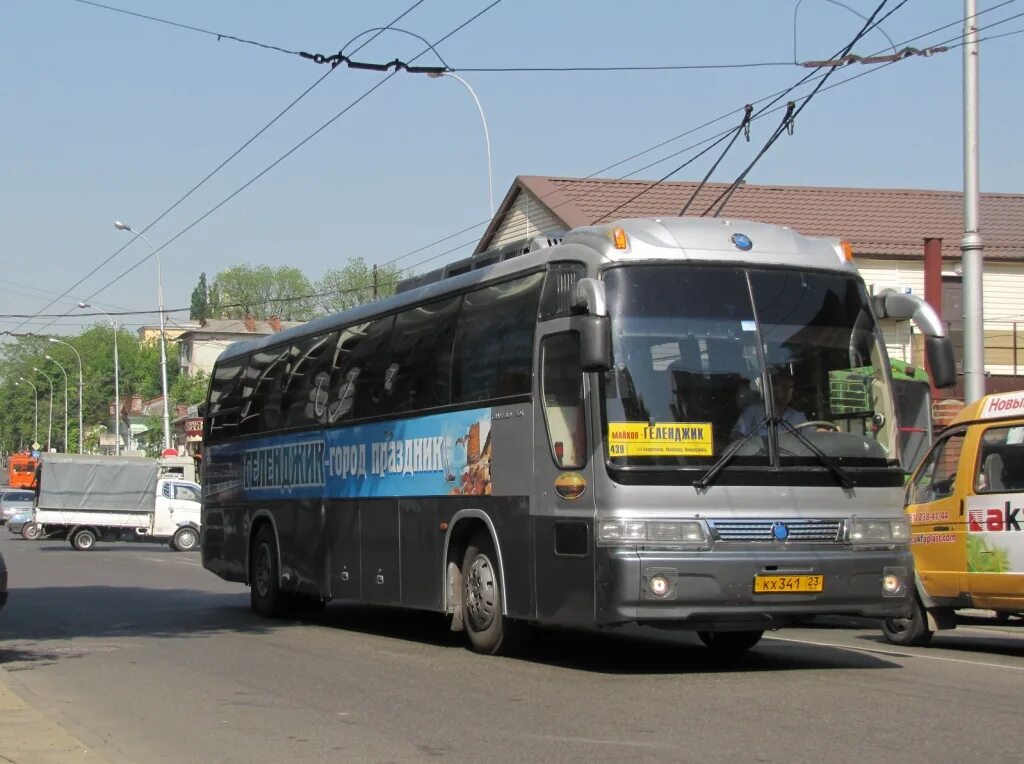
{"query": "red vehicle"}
(21, 471)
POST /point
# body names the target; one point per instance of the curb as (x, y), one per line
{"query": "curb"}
(27, 736)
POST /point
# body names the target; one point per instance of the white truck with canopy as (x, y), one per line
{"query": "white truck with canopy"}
(115, 498)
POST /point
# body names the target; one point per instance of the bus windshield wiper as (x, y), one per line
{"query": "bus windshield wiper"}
(704, 482)
(841, 475)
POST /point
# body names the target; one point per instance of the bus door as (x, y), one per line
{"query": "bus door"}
(936, 513)
(563, 495)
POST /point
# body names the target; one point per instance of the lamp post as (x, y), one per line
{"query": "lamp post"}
(117, 374)
(80, 386)
(65, 373)
(487, 136)
(35, 428)
(49, 419)
(163, 337)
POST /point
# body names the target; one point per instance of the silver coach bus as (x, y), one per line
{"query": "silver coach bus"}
(685, 423)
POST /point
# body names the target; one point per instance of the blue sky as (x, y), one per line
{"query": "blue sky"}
(109, 116)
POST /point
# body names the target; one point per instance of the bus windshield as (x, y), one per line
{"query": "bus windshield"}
(705, 355)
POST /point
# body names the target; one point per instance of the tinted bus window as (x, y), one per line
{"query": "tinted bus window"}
(358, 370)
(261, 392)
(421, 356)
(303, 388)
(494, 340)
(225, 400)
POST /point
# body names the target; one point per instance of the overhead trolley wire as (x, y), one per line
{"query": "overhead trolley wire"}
(219, 167)
(288, 153)
(762, 113)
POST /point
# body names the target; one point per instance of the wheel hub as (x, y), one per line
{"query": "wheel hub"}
(263, 571)
(480, 588)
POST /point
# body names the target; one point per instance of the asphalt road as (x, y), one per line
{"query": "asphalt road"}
(149, 658)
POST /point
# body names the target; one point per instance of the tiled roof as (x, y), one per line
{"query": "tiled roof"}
(881, 222)
(237, 326)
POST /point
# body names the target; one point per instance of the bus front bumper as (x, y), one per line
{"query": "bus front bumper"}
(715, 590)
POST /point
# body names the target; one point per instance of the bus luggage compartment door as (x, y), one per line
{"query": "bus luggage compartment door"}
(379, 533)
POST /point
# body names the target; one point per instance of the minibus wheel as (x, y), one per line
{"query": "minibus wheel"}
(483, 596)
(908, 631)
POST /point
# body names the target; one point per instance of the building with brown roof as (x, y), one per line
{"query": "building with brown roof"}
(887, 228)
(201, 346)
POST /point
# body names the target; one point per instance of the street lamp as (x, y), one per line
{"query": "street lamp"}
(117, 374)
(163, 338)
(35, 429)
(49, 419)
(80, 386)
(487, 137)
(65, 373)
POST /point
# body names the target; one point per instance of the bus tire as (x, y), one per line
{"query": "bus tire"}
(265, 595)
(908, 631)
(730, 641)
(185, 539)
(31, 531)
(83, 540)
(490, 632)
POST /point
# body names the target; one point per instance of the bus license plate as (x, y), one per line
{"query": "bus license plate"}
(775, 584)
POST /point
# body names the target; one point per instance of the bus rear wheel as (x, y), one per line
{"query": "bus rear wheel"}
(483, 596)
(265, 595)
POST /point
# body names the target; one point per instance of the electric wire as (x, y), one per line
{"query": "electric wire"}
(674, 138)
(220, 166)
(284, 156)
(763, 113)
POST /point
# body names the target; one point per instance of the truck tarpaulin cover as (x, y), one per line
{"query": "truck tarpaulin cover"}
(71, 481)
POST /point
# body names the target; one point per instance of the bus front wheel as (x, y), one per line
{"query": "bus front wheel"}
(265, 596)
(483, 596)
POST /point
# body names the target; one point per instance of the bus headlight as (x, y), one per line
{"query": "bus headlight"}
(677, 534)
(879, 532)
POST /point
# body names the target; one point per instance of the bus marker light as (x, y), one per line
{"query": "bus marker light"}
(570, 485)
(619, 238)
(847, 251)
(444, 526)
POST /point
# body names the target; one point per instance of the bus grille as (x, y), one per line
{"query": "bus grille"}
(800, 531)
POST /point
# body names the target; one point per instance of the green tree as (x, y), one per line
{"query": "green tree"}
(190, 390)
(200, 310)
(262, 291)
(355, 284)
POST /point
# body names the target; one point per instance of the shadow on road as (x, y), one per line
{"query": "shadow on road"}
(34, 619)
(630, 650)
(960, 641)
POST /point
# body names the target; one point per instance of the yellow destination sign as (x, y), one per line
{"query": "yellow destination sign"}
(660, 439)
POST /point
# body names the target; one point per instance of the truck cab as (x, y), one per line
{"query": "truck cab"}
(965, 503)
(178, 506)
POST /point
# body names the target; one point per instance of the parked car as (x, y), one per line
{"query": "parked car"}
(21, 523)
(12, 500)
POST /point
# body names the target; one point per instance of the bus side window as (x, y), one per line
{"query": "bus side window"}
(421, 352)
(494, 340)
(562, 390)
(225, 400)
(357, 381)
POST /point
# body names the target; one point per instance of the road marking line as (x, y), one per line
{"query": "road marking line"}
(897, 654)
(594, 741)
(152, 559)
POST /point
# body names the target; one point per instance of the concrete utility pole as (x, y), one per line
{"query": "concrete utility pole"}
(970, 245)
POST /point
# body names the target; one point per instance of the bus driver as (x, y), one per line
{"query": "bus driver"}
(752, 417)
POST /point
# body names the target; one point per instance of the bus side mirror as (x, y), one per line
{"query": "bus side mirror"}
(937, 346)
(595, 342)
(941, 364)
